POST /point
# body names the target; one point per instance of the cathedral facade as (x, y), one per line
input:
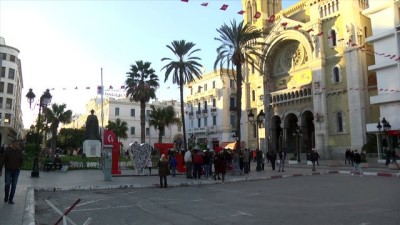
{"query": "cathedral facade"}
(316, 86)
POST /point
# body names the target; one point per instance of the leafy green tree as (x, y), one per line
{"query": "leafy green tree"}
(71, 138)
(119, 128)
(141, 85)
(55, 115)
(161, 118)
(239, 44)
(185, 69)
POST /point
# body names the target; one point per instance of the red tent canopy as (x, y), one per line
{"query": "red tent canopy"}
(393, 133)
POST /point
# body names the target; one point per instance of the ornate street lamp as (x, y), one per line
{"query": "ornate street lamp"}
(257, 122)
(297, 132)
(45, 100)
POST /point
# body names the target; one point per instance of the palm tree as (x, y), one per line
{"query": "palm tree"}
(119, 128)
(239, 44)
(161, 118)
(54, 116)
(141, 85)
(184, 69)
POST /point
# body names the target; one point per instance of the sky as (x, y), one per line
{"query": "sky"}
(64, 44)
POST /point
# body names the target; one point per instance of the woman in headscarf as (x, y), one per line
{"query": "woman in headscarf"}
(163, 171)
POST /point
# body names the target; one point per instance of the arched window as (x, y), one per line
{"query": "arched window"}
(339, 122)
(336, 74)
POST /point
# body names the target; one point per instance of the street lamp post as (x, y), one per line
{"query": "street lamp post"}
(298, 133)
(45, 99)
(257, 122)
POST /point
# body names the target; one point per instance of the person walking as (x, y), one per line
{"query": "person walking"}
(282, 158)
(12, 161)
(163, 171)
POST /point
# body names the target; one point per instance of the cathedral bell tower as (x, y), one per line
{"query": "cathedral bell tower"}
(258, 12)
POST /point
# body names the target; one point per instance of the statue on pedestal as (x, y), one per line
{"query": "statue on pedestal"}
(92, 127)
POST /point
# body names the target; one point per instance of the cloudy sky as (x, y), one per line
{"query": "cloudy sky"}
(64, 44)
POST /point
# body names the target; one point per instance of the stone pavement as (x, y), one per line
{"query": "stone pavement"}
(23, 211)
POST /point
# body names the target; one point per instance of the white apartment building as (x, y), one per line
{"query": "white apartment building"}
(11, 84)
(210, 110)
(385, 21)
(129, 112)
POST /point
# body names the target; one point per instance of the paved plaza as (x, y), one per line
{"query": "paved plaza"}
(324, 199)
(82, 183)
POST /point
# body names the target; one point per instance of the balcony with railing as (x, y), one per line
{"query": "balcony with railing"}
(198, 113)
(214, 110)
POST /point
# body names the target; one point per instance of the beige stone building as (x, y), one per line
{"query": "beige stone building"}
(315, 87)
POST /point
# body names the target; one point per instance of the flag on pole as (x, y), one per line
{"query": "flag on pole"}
(241, 12)
(204, 4)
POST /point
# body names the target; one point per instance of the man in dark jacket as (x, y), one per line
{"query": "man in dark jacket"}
(12, 162)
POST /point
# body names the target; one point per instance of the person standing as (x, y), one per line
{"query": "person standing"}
(12, 161)
(258, 160)
(357, 162)
(188, 163)
(246, 161)
(172, 164)
(272, 159)
(163, 171)
(282, 158)
(149, 165)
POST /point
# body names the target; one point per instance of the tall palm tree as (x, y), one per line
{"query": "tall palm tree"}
(141, 85)
(185, 69)
(161, 118)
(55, 115)
(239, 44)
(119, 128)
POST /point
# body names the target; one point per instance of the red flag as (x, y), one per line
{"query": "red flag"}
(241, 12)
(284, 24)
(297, 27)
(257, 15)
(224, 7)
(320, 33)
(309, 30)
(184, 0)
(204, 4)
(271, 19)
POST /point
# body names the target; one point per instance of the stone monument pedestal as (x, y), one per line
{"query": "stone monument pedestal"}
(92, 148)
